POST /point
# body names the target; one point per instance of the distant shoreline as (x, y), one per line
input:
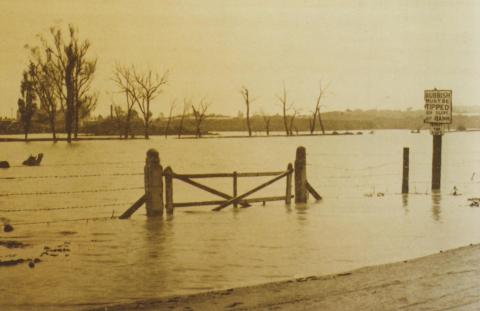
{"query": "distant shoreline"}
(4, 139)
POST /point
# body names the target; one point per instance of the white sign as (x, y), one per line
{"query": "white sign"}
(438, 106)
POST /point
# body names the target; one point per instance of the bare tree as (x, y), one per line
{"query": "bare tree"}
(317, 111)
(172, 106)
(148, 87)
(119, 117)
(72, 77)
(285, 108)
(186, 104)
(292, 120)
(43, 73)
(246, 97)
(199, 114)
(83, 77)
(123, 77)
(266, 121)
(27, 102)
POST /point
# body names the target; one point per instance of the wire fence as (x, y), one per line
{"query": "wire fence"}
(384, 178)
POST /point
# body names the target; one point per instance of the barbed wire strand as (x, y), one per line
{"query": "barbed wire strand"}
(67, 192)
(62, 208)
(69, 176)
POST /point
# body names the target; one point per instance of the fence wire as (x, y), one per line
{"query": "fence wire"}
(68, 192)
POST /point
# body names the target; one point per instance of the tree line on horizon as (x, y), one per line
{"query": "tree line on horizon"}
(56, 90)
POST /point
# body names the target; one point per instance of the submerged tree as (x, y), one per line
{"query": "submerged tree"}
(148, 86)
(246, 97)
(43, 72)
(266, 121)
(172, 106)
(316, 113)
(186, 105)
(27, 102)
(199, 114)
(285, 108)
(70, 74)
(140, 88)
(123, 77)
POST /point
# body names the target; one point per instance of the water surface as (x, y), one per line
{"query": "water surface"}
(362, 220)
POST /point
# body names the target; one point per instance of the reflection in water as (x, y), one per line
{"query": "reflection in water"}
(158, 233)
(301, 209)
(405, 202)
(436, 200)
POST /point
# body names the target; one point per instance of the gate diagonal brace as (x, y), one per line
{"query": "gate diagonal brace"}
(240, 197)
(210, 190)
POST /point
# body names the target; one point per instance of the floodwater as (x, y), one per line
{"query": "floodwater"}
(67, 205)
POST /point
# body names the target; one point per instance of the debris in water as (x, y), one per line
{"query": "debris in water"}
(7, 228)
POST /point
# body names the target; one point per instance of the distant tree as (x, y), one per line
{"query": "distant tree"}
(291, 125)
(172, 106)
(72, 74)
(43, 75)
(148, 85)
(27, 102)
(123, 77)
(246, 97)
(199, 114)
(316, 113)
(285, 108)
(186, 104)
(266, 121)
(119, 118)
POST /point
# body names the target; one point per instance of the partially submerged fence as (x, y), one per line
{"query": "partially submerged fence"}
(159, 187)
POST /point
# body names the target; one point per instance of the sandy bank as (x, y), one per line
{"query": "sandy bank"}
(446, 281)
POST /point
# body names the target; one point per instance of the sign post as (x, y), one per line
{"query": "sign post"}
(438, 112)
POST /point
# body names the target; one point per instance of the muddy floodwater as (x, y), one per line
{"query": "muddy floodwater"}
(62, 212)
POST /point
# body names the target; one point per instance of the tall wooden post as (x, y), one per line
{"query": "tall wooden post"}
(436, 161)
(288, 191)
(406, 160)
(153, 184)
(168, 190)
(301, 194)
(235, 189)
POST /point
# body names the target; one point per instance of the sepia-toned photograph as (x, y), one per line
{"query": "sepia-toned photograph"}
(239, 155)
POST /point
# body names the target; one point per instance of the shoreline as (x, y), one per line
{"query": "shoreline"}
(4, 139)
(446, 280)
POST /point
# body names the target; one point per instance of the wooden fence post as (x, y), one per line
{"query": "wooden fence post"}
(301, 194)
(288, 192)
(153, 184)
(406, 167)
(235, 189)
(168, 190)
(436, 161)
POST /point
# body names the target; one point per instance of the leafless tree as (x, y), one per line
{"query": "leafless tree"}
(123, 77)
(292, 120)
(118, 115)
(27, 102)
(199, 114)
(172, 106)
(285, 108)
(316, 113)
(186, 105)
(246, 97)
(72, 75)
(266, 121)
(83, 77)
(43, 73)
(148, 85)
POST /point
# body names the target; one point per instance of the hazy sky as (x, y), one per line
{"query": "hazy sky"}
(373, 53)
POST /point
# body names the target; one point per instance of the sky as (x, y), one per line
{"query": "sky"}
(371, 54)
